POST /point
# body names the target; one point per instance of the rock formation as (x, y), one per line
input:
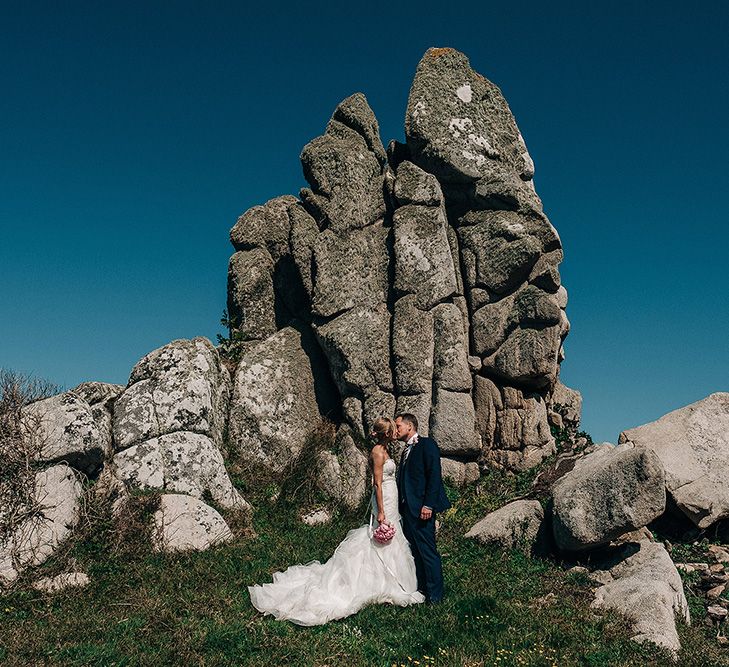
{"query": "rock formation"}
(693, 446)
(513, 526)
(422, 278)
(642, 584)
(167, 432)
(183, 522)
(427, 273)
(64, 429)
(608, 493)
(601, 500)
(163, 432)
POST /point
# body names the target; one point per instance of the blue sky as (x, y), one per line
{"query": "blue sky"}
(133, 135)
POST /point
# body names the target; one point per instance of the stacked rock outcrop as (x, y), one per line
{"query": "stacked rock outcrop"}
(64, 438)
(168, 429)
(427, 273)
(422, 278)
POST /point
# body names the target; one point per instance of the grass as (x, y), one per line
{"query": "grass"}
(193, 609)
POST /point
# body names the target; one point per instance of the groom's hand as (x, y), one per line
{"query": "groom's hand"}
(426, 513)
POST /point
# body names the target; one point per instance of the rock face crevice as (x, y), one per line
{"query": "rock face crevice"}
(427, 273)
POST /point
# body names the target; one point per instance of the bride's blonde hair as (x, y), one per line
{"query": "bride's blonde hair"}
(385, 430)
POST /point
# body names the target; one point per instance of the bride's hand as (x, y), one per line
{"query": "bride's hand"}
(380, 518)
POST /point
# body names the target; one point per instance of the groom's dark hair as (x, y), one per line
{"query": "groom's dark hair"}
(407, 417)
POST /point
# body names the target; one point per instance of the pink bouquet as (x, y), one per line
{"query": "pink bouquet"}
(384, 532)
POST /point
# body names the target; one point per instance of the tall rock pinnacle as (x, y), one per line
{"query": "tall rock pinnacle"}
(425, 278)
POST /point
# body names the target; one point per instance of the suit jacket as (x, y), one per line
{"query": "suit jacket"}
(419, 478)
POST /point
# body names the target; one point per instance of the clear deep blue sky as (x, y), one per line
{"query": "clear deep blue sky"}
(134, 133)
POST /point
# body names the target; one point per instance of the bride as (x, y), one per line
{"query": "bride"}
(361, 571)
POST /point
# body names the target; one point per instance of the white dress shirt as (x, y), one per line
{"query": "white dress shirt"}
(412, 440)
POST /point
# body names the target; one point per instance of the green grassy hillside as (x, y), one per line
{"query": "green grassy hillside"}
(193, 609)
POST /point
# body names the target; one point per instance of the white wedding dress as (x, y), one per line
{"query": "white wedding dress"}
(360, 572)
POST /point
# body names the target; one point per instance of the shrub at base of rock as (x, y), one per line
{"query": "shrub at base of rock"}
(645, 587)
(56, 501)
(514, 526)
(607, 493)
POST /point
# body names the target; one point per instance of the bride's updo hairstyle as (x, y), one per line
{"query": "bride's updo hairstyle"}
(384, 430)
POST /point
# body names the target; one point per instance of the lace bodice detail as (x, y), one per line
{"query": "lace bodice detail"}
(389, 494)
(389, 470)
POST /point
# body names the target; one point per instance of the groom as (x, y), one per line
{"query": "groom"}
(421, 492)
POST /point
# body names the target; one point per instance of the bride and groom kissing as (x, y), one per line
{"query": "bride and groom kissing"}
(404, 570)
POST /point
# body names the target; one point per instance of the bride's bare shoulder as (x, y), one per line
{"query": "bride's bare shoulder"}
(378, 453)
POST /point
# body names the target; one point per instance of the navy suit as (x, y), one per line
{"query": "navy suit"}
(420, 485)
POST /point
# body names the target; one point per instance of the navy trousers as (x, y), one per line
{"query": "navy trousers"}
(428, 567)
